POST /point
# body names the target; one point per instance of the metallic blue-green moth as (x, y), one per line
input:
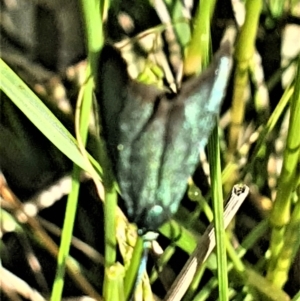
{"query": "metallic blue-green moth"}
(153, 138)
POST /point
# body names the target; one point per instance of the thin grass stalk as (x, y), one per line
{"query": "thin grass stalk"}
(162, 262)
(131, 273)
(82, 125)
(180, 236)
(290, 246)
(272, 121)
(114, 287)
(110, 211)
(238, 264)
(289, 178)
(66, 236)
(217, 197)
(93, 10)
(205, 292)
(195, 195)
(264, 289)
(280, 214)
(209, 214)
(92, 16)
(110, 225)
(182, 28)
(243, 55)
(276, 8)
(197, 54)
(195, 283)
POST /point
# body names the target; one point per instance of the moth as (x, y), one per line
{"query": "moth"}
(153, 137)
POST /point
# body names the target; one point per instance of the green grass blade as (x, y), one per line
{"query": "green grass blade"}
(115, 286)
(217, 197)
(244, 52)
(297, 297)
(66, 237)
(289, 174)
(288, 181)
(39, 114)
(93, 11)
(198, 51)
(131, 273)
(82, 125)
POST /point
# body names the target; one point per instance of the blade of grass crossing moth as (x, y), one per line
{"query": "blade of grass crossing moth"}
(93, 11)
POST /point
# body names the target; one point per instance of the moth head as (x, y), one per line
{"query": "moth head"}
(151, 218)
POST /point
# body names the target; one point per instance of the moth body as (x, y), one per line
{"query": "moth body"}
(153, 138)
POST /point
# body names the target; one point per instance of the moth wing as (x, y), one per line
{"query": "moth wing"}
(191, 121)
(154, 142)
(140, 149)
(111, 95)
(132, 140)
